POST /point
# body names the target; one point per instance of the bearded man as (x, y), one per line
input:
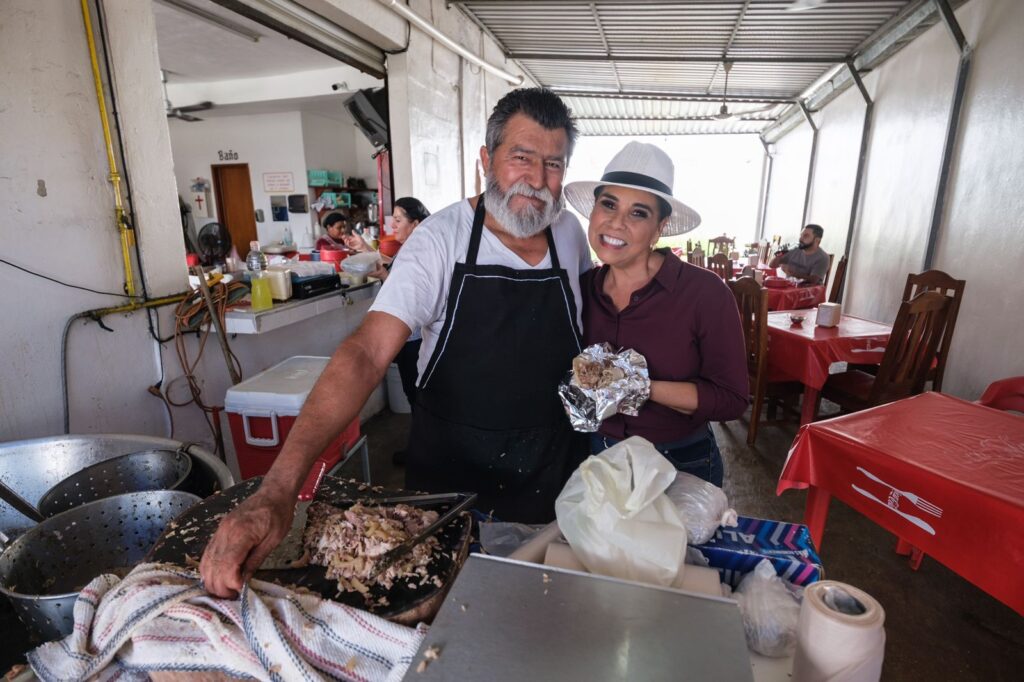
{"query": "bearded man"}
(493, 282)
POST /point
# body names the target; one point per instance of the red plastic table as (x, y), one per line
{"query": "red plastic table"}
(795, 298)
(806, 352)
(943, 474)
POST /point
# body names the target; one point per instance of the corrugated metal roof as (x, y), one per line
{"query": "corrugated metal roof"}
(677, 48)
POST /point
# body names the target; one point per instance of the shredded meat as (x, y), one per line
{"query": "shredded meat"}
(348, 543)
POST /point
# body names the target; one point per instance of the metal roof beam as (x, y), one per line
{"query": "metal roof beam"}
(677, 96)
(671, 119)
(676, 59)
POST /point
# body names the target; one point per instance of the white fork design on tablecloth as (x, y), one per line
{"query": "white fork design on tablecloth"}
(919, 502)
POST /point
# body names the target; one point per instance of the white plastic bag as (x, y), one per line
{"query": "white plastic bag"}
(771, 612)
(703, 506)
(615, 515)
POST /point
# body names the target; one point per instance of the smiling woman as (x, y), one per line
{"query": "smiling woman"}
(680, 317)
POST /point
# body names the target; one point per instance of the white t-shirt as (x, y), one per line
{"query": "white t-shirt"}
(416, 290)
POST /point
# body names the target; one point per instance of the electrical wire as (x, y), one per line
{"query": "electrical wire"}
(64, 284)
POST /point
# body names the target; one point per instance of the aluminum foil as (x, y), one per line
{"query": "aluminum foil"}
(587, 407)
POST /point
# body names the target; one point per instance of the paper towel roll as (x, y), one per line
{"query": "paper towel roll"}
(533, 549)
(829, 314)
(840, 637)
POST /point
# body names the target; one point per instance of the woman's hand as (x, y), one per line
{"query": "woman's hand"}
(680, 396)
(356, 243)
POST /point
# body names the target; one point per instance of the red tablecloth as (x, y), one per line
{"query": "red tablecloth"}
(794, 298)
(942, 473)
(805, 352)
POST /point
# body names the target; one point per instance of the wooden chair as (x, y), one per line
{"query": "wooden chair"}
(764, 252)
(695, 258)
(838, 279)
(753, 307)
(908, 356)
(721, 265)
(938, 281)
(1005, 394)
(721, 244)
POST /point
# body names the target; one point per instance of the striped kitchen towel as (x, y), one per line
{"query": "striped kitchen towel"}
(159, 618)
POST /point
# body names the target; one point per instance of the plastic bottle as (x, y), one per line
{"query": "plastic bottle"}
(256, 260)
(287, 241)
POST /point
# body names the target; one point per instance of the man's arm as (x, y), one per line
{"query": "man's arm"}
(779, 259)
(248, 534)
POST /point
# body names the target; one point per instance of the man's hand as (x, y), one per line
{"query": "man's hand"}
(243, 540)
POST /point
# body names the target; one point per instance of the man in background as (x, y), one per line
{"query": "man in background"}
(808, 262)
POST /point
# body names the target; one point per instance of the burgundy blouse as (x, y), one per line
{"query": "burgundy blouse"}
(686, 323)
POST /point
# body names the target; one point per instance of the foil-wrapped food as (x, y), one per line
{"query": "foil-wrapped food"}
(602, 383)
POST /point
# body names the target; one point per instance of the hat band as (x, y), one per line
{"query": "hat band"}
(638, 179)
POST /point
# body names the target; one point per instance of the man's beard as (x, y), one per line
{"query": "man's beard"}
(526, 222)
(802, 246)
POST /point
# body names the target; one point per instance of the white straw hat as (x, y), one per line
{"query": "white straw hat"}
(638, 166)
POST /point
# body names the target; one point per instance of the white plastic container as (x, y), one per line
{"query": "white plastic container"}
(829, 314)
(397, 401)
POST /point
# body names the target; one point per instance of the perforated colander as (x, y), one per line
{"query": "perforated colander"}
(131, 473)
(45, 568)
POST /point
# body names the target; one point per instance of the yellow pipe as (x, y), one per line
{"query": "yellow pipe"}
(136, 305)
(115, 177)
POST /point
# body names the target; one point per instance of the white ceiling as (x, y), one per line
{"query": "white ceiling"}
(194, 50)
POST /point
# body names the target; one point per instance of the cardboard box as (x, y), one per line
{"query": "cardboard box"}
(736, 551)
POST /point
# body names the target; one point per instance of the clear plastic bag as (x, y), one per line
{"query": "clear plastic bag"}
(703, 506)
(771, 611)
(618, 521)
(501, 539)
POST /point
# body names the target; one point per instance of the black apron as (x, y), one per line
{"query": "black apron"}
(488, 418)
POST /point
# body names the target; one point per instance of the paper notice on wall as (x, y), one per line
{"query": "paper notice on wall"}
(278, 182)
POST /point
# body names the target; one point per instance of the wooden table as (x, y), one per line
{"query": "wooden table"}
(943, 474)
(808, 353)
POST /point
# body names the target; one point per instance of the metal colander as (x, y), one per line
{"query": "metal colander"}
(45, 568)
(134, 472)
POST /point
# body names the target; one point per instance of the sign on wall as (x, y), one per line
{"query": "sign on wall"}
(278, 182)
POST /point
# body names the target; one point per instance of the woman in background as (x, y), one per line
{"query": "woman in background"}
(408, 214)
(681, 317)
(335, 225)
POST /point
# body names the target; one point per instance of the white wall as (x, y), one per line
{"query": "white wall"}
(784, 215)
(268, 143)
(433, 149)
(982, 234)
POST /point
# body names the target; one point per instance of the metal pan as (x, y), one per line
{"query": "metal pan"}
(131, 473)
(405, 602)
(43, 570)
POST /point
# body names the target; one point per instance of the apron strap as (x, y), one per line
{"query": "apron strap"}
(478, 230)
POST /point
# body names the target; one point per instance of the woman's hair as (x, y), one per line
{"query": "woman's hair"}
(333, 218)
(664, 208)
(413, 208)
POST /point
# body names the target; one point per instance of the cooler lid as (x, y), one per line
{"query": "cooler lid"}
(282, 389)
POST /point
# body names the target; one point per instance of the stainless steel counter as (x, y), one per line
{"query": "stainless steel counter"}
(504, 620)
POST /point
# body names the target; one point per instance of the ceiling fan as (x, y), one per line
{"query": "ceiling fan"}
(804, 5)
(184, 113)
(723, 112)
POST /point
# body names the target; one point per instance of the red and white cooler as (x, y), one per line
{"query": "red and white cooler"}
(262, 410)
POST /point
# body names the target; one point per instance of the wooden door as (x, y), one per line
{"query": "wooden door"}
(235, 211)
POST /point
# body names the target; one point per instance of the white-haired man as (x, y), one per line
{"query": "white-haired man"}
(493, 282)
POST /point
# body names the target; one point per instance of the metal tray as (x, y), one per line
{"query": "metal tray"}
(183, 545)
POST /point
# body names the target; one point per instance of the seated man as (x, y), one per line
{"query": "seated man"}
(808, 262)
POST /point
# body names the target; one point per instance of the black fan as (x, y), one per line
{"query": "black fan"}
(214, 244)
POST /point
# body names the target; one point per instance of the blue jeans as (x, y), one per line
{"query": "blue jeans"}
(697, 455)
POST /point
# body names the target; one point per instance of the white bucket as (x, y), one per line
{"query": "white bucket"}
(397, 401)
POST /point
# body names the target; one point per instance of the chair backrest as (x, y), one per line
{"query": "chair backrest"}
(838, 278)
(910, 351)
(936, 280)
(695, 258)
(689, 246)
(764, 252)
(721, 244)
(1005, 394)
(753, 307)
(721, 265)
